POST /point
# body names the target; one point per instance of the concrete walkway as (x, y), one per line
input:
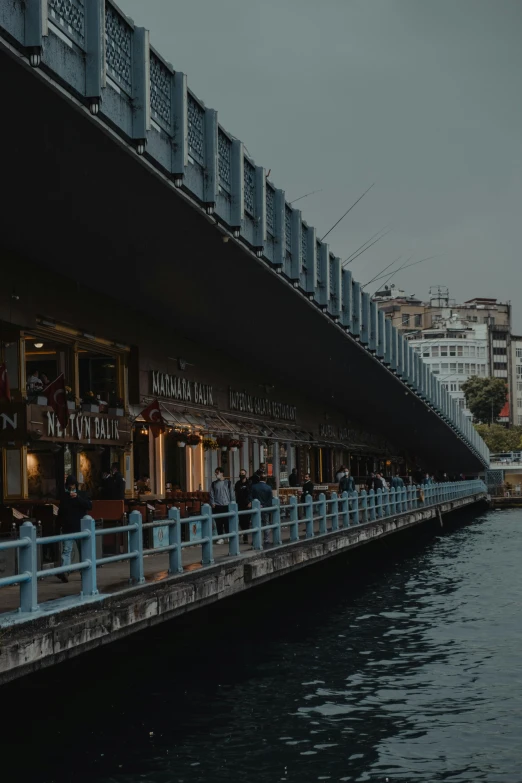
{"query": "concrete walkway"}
(112, 577)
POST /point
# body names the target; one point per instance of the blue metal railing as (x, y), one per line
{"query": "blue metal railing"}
(268, 526)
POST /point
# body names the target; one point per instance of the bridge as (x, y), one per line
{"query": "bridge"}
(121, 179)
(135, 221)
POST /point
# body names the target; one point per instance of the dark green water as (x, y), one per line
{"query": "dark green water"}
(405, 665)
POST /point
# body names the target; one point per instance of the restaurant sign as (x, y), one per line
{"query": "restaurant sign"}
(330, 431)
(176, 388)
(261, 406)
(82, 427)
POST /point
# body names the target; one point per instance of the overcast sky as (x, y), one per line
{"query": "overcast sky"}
(422, 97)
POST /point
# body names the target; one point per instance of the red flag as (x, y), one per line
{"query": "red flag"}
(5, 391)
(57, 399)
(152, 415)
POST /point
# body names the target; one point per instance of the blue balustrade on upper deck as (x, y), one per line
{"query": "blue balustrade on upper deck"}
(96, 52)
(269, 526)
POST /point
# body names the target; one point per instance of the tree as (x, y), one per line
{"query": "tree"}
(485, 397)
(499, 438)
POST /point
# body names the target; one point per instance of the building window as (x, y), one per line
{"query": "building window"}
(45, 360)
(460, 368)
(426, 351)
(454, 387)
(519, 386)
(418, 319)
(519, 371)
(435, 367)
(405, 319)
(473, 369)
(462, 403)
(481, 352)
(453, 367)
(444, 367)
(519, 403)
(443, 350)
(453, 350)
(519, 353)
(499, 351)
(499, 366)
(435, 351)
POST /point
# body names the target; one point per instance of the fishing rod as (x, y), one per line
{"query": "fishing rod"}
(365, 243)
(383, 270)
(429, 258)
(306, 195)
(347, 211)
(357, 254)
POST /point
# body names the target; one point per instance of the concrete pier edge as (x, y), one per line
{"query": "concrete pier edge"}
(51, 638)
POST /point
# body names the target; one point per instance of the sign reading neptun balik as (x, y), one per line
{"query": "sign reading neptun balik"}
(175, 388)
(261, 406)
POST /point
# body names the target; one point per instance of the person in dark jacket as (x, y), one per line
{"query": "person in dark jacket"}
(308, 487)
(256, 476)
(243, 491)
(346, 484)
(114, 484)
(293, 478)
(263, 492)
(73, 506)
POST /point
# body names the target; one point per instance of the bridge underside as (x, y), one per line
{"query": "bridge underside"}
(80, 203)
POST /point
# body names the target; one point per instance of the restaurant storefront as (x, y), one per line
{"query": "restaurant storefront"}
(37, 452)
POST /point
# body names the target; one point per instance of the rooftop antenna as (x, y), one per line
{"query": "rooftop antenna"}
(347, 211)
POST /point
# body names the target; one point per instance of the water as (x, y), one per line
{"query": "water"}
(406, 668)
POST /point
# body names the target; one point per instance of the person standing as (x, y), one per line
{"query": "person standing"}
(221, 496)
(263, 492)
(243, 491)
(308, 487)
(293, 478)
(340, 474)
(261, 469)
(346, 482)
(73, 506)
(114, 484)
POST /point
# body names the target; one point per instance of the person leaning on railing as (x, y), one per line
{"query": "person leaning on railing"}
(74, 504)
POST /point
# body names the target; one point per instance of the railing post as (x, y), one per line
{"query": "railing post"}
(175, 555)
(372, 505)
(88, 554)
(233, 529)
(364, 506)
(385, 496)
(294, 519)
(28, 565)
(207, 550)
(379, 504)
(309, 511)
(387, 502)
(322, 513)
(404, 503)
(257, 538)
(136, 545)
(355, 507)
(393, 502)
(276, 520)
(335, 511)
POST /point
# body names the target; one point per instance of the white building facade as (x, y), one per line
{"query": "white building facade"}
(516, 382)
(455, 351)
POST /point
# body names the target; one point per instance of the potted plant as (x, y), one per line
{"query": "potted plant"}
(223, 443)
(193, 440)
(116, 405)
(71, 398)
(234, 444)
(181, 438)
(90, 403)
(210, 444)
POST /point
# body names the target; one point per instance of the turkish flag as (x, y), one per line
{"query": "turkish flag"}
(5, 391)
(57, 399)
(152, 415)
